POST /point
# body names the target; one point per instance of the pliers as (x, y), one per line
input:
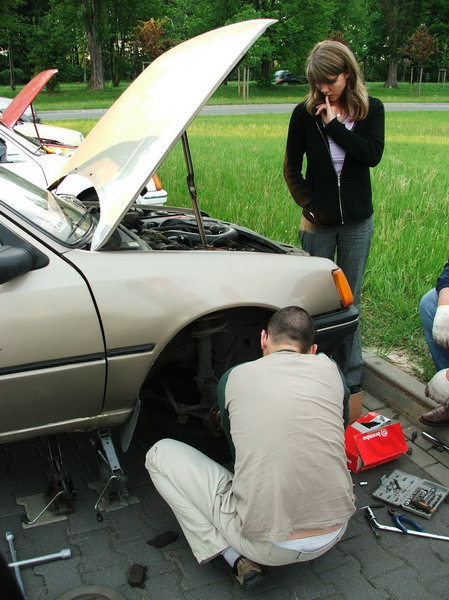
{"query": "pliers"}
(399, 521)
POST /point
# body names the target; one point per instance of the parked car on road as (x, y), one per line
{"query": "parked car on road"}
(107, 307)
(287, 78)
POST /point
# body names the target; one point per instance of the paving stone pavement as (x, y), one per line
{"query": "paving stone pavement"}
(361, 567)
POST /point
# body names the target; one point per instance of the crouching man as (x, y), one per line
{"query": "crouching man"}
(290, 497)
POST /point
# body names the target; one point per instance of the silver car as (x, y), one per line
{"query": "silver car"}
(108, 308)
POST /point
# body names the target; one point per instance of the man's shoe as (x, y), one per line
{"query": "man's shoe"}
(246, 572)
(436, 417)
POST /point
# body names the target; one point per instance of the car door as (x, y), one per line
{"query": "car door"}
(52, 361)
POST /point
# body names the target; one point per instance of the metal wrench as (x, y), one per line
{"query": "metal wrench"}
(10, 540)
(65, 553)
(16, 564)
(373, 529)
(370, 516)
(435, 441)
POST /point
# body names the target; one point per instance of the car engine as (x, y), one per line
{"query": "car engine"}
(177, 229)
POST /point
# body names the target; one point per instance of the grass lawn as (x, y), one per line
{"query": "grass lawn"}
(238, 171)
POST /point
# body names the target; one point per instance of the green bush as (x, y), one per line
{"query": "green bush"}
(263, 82)
(72, 74)
(19, 77)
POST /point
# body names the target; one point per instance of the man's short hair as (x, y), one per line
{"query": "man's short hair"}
(293, 325)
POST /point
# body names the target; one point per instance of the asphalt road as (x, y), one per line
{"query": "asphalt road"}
(234, 109)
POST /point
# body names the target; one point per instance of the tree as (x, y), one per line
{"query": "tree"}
(150, 37)
(53, 40)
(392, 11)
(420, 47)
(438, 23)
(260, 55)
(10, 25)
(120, 19)
(93, 19)
(189, 18)
(299, 29)
(351, 25)
(102, 32)
(393, 21)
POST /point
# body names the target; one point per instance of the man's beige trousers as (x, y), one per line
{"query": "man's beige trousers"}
(198, 490)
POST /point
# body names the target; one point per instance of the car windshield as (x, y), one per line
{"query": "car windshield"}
(64, 219)
(26, 116)
(18, 140)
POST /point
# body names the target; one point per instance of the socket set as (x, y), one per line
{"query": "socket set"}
(416, 495)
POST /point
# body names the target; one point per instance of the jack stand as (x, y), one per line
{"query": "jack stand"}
(60, 483)
(60, 491)
(114, 494)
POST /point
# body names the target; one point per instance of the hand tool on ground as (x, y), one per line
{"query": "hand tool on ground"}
(370, 516)
(373, 529)
(422, 506)
(10, 540)
(16, 564)
(400, 520)
(435, 441)
(64, 553)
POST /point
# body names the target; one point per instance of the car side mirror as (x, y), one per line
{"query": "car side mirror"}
(14, 262)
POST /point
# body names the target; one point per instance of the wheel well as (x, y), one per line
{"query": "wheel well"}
(226, 338)
(179, 394)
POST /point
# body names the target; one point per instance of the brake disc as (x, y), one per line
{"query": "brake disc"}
(91, 592)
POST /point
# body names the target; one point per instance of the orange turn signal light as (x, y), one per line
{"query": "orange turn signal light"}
(343, 287)
(157, 182)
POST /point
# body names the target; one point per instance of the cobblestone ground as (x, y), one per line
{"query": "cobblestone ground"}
(361, 567)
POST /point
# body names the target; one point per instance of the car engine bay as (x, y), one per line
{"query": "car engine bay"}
(177, 229)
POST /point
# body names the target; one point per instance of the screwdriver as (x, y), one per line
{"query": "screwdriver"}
(421, 505)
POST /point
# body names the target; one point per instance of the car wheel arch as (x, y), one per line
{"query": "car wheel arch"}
(179, 391)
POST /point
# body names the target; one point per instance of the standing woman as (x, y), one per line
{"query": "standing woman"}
(339, 129)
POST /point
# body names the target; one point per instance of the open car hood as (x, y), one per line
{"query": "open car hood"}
(25, 97)
(131, 140)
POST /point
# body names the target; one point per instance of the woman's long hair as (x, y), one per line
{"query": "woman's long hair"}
(329, 59)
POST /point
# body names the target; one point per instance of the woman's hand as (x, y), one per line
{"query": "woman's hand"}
(326, 111)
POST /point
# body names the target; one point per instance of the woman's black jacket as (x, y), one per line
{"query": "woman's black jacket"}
(324, 199)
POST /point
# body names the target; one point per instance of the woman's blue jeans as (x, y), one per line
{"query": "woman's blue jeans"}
(349, 246)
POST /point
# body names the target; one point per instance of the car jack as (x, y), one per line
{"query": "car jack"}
(114, 494)
(60, 492)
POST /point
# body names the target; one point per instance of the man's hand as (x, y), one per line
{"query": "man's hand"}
(438, 387)
(440, 329)
(214, 418)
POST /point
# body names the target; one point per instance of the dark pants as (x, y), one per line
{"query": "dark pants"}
(348, 246)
